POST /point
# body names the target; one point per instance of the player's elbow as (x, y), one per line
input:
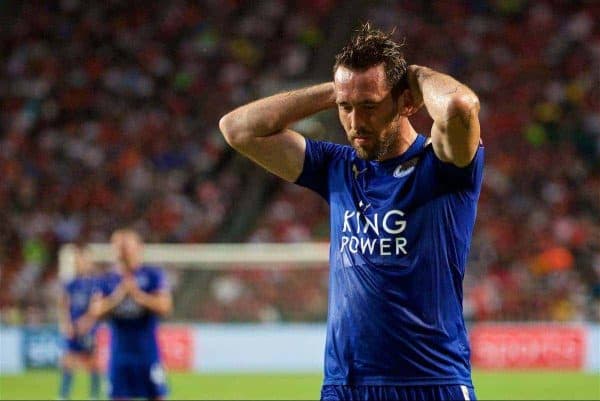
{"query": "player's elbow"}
(234, 135)
(465, 105)
(166, 307)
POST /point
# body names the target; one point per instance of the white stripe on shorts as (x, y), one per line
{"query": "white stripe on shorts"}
(465, 392)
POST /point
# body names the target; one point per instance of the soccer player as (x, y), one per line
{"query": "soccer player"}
(133, 300)
(402, 211)
(78, 328)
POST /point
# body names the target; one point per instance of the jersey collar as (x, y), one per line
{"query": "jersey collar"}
(414, 149)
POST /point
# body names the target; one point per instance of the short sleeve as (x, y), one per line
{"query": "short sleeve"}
(107, 283)
(158, 281)
(66, 287)
(467, 178)
(97, 285)
(317, 160)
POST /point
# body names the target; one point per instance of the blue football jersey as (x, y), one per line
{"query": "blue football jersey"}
(400, 235)
(79, 291)
(133, 328)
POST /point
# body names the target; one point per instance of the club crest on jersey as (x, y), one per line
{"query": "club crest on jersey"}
(405, 168)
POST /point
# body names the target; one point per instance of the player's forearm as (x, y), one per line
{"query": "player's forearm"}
(64, 324)
(102, 306)
(84, 324)
(64, 321)
(160, 303)
(444, 97)
(272, 114)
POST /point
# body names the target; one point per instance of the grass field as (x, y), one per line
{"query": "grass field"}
(489, 385)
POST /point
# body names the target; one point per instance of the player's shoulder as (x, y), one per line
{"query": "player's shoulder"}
(150, 267)
(109, 278)
(152, 277)
(332, 149)
(111, 274)
(428, 152)
(99, 277)
(70, 284)
(151, 270)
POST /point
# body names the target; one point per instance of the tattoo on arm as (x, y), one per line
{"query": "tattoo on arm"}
(441, 89)
(452, 91)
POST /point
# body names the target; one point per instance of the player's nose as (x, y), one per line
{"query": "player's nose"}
(356, 122)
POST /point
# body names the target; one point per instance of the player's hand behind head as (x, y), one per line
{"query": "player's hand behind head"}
(414, 96)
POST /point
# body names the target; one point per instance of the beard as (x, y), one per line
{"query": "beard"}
(375, 150)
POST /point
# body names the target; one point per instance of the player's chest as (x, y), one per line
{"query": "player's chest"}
(128, 308)
(142, 280)
(80, 298)
(80, 294)
(366, 189)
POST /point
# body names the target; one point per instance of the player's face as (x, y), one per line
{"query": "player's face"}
(367, 111)
(83, 262)
(129, 250)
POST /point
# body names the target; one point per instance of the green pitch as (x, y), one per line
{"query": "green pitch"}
(489, 385)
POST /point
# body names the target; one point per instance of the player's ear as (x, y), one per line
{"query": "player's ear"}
(406, 104)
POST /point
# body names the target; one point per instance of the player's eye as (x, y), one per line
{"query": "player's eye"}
(369, 106)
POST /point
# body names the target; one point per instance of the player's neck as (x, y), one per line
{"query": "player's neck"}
(406, 137)
(129, 269)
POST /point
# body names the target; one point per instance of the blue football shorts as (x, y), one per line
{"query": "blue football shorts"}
(397, 393)
(136, 380)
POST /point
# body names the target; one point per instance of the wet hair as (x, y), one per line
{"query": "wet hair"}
(370, 47)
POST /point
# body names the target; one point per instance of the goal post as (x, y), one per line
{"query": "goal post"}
(210, 256)
(229, 282)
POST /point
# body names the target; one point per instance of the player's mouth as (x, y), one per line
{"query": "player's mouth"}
(362, 140)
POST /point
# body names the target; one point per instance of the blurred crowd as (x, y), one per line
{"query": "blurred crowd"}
(109, 115)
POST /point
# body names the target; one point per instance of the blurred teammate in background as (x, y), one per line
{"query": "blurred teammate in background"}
(78, 327)
(402, 209)
(134, 298)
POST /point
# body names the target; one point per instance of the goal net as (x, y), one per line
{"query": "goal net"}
(246, 282)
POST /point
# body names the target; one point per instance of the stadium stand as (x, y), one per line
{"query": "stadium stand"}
(109, 117)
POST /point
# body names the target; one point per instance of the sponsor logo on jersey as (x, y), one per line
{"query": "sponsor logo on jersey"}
(376, 234)
(406, 168)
